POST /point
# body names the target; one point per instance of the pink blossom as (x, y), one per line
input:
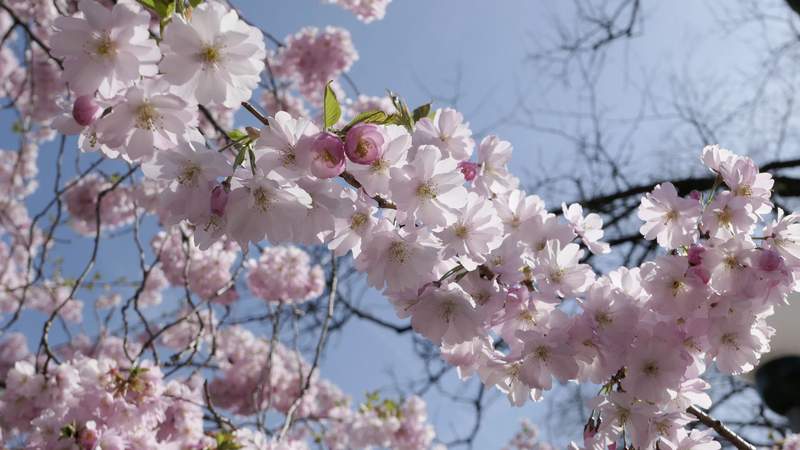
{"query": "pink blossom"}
(213, 56)
(312, 57)
(446, 314)
(366, 10)
(148, 118)
(105, 49)
(285, 275)
(430, 190)
(364, 144)
(447, 131)
(327, 155)
(670, 219)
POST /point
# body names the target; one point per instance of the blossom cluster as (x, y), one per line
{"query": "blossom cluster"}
(365, 10)
(105, 402)
(471, 259)
(284, 274)
(430, 214)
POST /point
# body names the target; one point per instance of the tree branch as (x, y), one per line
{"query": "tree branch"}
(720, 428)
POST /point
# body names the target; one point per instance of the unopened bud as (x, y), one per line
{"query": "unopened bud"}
(253, 133)
(364, 143)
(85, 110)
(219, 200)
(469, 169)
(769, 260)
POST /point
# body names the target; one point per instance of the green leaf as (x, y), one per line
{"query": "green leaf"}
(164, 8)
(240, 157)
(331, 111)
(226, 441)
(421, 112)
(251, 154)
(194, 3)
(375, 116)
(402, 109)
(237, 135)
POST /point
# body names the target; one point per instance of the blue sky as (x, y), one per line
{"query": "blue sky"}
(420, 50)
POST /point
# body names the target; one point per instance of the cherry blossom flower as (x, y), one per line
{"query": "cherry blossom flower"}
(589, 228)
(494, 155)
(447, 131)
(147, 119)
(558, 271)
(259, 209)
(398, 259)
(430, 190)
(279, 146)
(375, 177)
(285, 274)
(669, 219)
(654, 367)
(446, 314)
(212, 55)
(351, 231)
(474, 235)
(744, 180)
(105, 50)
(366, 10)
(312, 57)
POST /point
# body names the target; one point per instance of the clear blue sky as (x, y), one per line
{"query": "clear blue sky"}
(419, 50)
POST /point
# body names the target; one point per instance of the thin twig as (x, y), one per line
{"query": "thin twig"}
(720, 428)
(318, 353)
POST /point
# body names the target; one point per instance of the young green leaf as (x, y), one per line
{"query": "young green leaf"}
(421, 112)
(240, 157)
(148, 3)
(331, 111)
(251, 154)
(375, 116)
(237, 135)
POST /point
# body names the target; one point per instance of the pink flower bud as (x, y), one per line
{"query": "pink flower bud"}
(364, 143)
(469, 169)
(88, 437)
(85, 111)
(219, 199)
(769, 260)
(695, 195)
(696, 254)
(327, 156)
(588, 434)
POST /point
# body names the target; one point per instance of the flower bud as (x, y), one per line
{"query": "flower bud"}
(85, 111)
(769, 260)
(364, 143)
(219, 199)
(469, 169)
(253, 133)
(327, 156)
(87, 437)
(695, 195)
(696, 254)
